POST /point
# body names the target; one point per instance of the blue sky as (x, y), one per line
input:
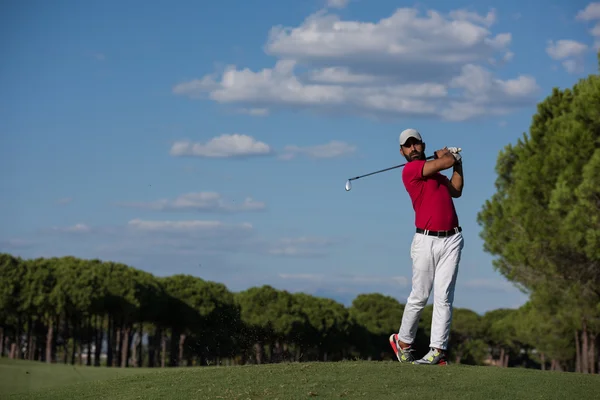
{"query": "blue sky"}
(216, 141)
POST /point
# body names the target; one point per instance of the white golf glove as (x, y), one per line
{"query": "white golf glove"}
(456, 153)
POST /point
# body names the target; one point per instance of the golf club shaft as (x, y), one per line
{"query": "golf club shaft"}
(387, 169)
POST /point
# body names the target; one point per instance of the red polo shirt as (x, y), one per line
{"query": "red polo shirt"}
(431, 200)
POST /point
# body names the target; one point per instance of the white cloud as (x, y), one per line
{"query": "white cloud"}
(573, 66)
(463, 15)
(489, 284)
(235, 145)
(337, 3)
(341, 75)
(266, 87)
(408, 99)
(194, 87)
(97, 56)
(570, 52)
(294, 252)
(484, 94)
(201, 201)
(509, 55)
(310, 240)
(398, 66)
(243, 145)
(145, 239)
(183, 226)
(12, 244)
(481, 86)
(77, 228)
(332, 149)
(592, 13)
(259, 112)
(399, 281)
(565, 48)
(64, 200)
(402, 40)
(301, 247)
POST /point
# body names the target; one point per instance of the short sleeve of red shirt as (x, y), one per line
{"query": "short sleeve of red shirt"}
(412, 172)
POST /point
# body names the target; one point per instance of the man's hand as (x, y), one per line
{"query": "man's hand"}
(443, 160)
(442, 152)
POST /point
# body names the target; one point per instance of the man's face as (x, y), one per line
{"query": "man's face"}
(413, 149)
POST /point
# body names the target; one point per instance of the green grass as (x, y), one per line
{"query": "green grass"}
(342, 380)
(18, 376)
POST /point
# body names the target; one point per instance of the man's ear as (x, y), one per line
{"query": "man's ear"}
(424, 147)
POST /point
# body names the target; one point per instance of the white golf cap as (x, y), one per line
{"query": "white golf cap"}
(408, 133)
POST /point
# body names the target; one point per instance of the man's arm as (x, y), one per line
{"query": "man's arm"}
(456, 183)
(444, 160)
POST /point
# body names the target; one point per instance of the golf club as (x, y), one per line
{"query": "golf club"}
(349, 185)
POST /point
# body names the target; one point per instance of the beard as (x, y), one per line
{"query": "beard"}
(415, 155)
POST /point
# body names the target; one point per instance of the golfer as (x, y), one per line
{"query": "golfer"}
(436, 246)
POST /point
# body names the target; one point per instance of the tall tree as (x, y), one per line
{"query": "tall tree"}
(542, 224)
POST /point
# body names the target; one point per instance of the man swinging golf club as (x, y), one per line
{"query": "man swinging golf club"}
(436, 246)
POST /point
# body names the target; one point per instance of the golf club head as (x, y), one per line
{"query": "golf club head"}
(348, 185)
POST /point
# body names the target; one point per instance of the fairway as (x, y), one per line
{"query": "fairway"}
(348, 379)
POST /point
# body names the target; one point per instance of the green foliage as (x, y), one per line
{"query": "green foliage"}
(327, 323)
(543, 226)
(269, 313)
(543, 221)
(380, 314)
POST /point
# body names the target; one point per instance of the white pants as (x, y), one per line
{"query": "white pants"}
(435, 266)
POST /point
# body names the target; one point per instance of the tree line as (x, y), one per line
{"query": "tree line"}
(543, 223)
(103, 313)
